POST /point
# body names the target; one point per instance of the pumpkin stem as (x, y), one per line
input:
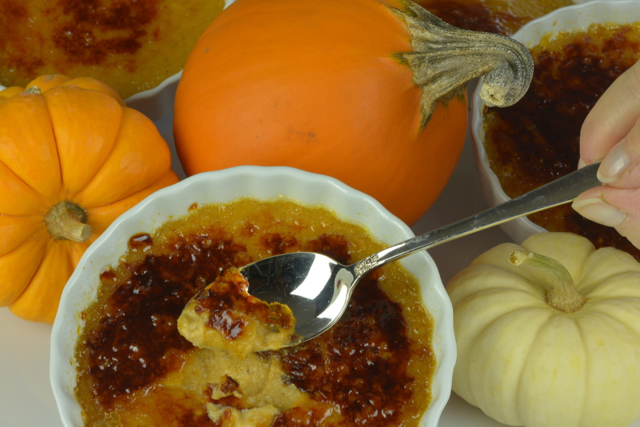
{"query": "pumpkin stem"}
(33, 89)
(67, 221)
(446, 58)
(561, 291)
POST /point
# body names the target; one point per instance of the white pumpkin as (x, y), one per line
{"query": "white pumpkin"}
(524, 362)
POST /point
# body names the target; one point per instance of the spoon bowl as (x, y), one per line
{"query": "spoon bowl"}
(317, 289)
(314, 286)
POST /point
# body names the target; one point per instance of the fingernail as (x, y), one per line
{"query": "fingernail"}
(612, 166)
(597, 210)
(581, 163)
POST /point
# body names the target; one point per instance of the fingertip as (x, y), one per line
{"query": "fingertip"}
(594, 141)
(581, 163)
(597, 210)
(632, 232)
(612, 117)
(614, 164)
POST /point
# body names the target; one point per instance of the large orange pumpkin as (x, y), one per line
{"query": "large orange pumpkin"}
(73, 157)
(337, 87)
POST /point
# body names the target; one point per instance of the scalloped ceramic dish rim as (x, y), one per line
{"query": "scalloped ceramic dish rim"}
(566, 18)
(230, 184)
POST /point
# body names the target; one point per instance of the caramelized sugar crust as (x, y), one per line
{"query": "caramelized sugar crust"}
(538, 139)
(373, 368)
(231, 293)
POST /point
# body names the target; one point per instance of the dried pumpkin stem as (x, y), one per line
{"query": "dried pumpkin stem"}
(446, 58)
(67, 221)
(33, 89)
(561, 291)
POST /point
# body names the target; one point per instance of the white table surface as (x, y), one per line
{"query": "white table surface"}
(26, 399)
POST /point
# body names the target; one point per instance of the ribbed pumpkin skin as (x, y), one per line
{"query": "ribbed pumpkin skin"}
(524, 363)
(76, 141)
(315, 85)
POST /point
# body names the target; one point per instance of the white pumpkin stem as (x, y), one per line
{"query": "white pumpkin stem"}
(561, 291)
(445, 58)
(67, 221)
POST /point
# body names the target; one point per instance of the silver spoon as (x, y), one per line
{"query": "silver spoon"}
(318, 289)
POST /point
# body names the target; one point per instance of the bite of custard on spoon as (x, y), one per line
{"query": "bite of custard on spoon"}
(224, 316)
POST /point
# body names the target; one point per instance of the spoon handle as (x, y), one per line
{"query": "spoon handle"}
(555, 193)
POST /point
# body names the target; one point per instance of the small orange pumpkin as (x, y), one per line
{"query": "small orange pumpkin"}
(73, 157)
(370, 92)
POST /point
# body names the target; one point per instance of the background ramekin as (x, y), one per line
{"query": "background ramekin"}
(157, 103)
(570, 18)
(223, 186)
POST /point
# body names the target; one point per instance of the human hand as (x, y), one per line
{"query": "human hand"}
(611, 134)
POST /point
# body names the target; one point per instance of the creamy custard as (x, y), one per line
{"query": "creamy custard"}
(135, 368)
(224, 316)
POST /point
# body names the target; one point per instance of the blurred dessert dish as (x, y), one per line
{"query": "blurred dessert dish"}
(132, 46)
(135, 368)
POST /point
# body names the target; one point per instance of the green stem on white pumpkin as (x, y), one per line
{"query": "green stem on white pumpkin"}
(67, 221)
(561, 291)
(445, 58)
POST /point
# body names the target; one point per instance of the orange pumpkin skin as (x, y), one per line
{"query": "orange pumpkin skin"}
(75, 141)
(315, 85)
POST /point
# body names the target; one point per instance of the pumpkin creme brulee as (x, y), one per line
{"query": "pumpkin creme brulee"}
(136, 368)
(132, 46)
